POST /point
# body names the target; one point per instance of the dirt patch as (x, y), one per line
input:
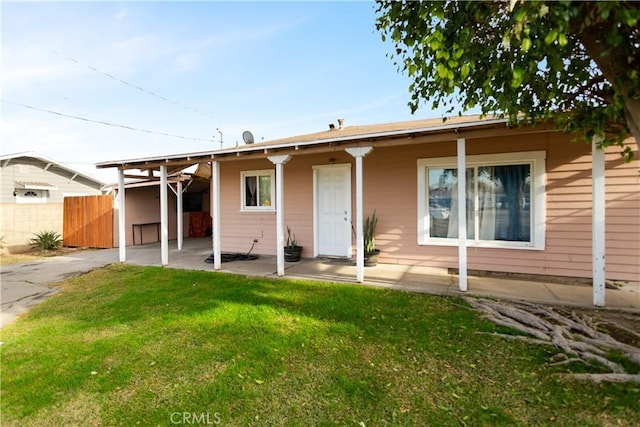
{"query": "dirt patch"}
(623, 326)
(35, 255)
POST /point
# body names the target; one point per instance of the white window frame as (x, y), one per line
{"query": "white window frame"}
(257, 173)
(537, 160)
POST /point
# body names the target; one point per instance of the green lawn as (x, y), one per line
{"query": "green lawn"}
(129, 345)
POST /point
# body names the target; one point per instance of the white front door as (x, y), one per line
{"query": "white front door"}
(332, 210)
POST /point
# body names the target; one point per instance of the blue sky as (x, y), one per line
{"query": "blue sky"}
(276, 68)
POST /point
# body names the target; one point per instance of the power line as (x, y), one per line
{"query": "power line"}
(118, 79)
(86, 119)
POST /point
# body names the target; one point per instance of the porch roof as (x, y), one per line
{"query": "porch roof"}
(352, 135)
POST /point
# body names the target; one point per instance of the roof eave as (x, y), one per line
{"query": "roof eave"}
(194, 158)
(45, 159)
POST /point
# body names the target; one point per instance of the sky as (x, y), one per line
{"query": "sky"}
(190, 70)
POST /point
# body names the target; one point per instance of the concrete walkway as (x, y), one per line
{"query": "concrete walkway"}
(26, 284)
(392, 276)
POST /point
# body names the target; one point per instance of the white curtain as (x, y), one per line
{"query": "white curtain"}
(488, 187)
(501, 206)
(452, 233)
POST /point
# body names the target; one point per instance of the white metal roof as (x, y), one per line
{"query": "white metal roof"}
(6, 159)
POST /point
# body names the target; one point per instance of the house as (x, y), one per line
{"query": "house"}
(32, 190)
(530, 202)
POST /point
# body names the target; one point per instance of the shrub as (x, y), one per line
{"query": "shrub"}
(46, 240)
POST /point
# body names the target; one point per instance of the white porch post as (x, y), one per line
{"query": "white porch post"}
(462, 215)
(215, 214)
(122, 234)
(598, 222)
(359, 153)
(164, 221)
(179, 214)
(279, 161)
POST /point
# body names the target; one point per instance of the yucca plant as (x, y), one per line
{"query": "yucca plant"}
(46, 241)
(369, 233)
(292, 251)
(291, 239)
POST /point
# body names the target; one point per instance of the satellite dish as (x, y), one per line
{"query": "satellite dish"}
(248, 137)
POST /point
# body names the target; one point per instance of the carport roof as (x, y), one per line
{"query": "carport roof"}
(330, 137)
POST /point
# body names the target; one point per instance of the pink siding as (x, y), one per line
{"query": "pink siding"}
(390, 187)
(568, 233)
(143, 206)
(239, 229)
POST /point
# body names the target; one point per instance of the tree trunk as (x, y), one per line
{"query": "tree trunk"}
(632, 114)
(613, 63)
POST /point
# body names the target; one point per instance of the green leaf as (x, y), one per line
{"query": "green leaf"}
(526, 44)
(442, 71)
(544, 9)
(518, 75)
(506, 41)
(396, 35)
(562, 39)
(464, 70)
(551, 36)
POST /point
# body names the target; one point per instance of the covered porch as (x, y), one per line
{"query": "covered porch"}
(389, 276)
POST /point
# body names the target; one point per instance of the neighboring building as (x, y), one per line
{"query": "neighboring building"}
(529, 198)
(32, 191)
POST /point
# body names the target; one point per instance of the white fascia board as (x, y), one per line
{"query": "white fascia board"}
(266, 147)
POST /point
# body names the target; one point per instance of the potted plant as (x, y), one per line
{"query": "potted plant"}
(292, 250)
(371, 253)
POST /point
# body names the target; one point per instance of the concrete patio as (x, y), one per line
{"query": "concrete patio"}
(26, 284)
(390, 276)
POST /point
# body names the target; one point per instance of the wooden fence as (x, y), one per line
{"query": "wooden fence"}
(88, 221)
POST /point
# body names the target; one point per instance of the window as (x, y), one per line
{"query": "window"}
(257, 190)
(31, 196)
(504, 200)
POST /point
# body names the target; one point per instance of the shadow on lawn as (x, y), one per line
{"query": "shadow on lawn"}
(142, 293)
